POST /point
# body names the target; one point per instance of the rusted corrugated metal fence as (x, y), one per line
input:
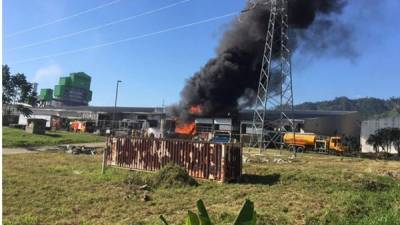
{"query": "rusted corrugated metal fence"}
(222, 162)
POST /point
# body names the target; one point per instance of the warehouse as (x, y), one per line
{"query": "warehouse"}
(329, 123)
(100, 115)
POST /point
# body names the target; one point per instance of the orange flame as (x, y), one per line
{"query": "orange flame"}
(196, 109)
(185, 128)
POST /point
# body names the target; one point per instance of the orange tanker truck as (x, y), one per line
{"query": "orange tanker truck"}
(312, 142)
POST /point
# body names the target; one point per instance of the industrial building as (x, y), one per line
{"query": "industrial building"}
(369, 127)
(73, 90)
(155, 119)
(329, 123)
(101, 117)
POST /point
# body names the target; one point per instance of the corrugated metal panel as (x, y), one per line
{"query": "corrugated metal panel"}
(222, 162)
(369, 127)
(249, 130)
(225, 127)
(203, 120)
(226, 121)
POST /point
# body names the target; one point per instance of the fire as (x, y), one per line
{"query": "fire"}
(185, 128)
(195, 109)
(188, 128)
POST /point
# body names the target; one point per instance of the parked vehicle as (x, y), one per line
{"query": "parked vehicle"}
(311, 142)
(82, 126)
(221, 137)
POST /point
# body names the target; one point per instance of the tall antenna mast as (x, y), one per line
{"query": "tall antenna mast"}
(276, 67)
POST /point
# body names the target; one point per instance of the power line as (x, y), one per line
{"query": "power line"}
(63, 18)
(99, 26)
(127, 39)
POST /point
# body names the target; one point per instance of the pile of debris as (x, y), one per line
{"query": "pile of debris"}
(249, 158)
(76, 150)
(265, 159)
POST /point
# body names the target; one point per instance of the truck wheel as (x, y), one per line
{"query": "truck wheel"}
(300, 149)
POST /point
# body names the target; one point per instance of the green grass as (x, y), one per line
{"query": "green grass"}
(19, 138)
(56, 188)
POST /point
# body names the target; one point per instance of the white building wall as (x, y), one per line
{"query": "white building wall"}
(23, 120)
(369, 127)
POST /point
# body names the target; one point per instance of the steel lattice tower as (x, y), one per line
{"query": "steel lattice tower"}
(276, 70)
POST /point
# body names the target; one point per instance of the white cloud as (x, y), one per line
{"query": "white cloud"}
(47, 76)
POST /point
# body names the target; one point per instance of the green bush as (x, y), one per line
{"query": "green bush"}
(173, 175)
(170, 175)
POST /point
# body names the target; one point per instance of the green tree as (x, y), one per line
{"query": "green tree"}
(396, 139)
(16, 89)
(385, 138)
(375, 141)
(368, 107)
(8, 91)
(385, 134)
(352, 143)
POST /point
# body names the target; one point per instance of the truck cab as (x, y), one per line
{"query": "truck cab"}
(335, 144)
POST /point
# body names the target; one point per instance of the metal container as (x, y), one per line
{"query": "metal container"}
(221, 162)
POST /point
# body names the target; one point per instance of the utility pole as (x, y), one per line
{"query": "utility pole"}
(275, 65)
(115, 105)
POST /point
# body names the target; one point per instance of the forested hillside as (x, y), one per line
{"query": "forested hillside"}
(368, 107)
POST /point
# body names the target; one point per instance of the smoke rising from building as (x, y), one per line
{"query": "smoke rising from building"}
(229, 81)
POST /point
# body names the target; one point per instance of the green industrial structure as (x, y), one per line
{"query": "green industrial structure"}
(46, 95)
(73, 90)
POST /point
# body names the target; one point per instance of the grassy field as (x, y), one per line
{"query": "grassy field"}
(19, 138)
(56, 188)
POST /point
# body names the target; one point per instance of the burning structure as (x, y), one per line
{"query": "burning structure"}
(216, 98)
(156, 122)
(231, 81)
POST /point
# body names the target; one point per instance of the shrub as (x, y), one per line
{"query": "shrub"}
(170, 175)
(173, 175)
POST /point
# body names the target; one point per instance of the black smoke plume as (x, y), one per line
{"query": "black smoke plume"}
(229, 81)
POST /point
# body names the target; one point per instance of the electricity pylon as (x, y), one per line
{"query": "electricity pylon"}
(275, 92)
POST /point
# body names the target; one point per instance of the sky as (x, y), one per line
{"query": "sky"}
(44, 40)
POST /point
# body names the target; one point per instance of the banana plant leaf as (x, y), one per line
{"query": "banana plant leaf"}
(247, 215)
